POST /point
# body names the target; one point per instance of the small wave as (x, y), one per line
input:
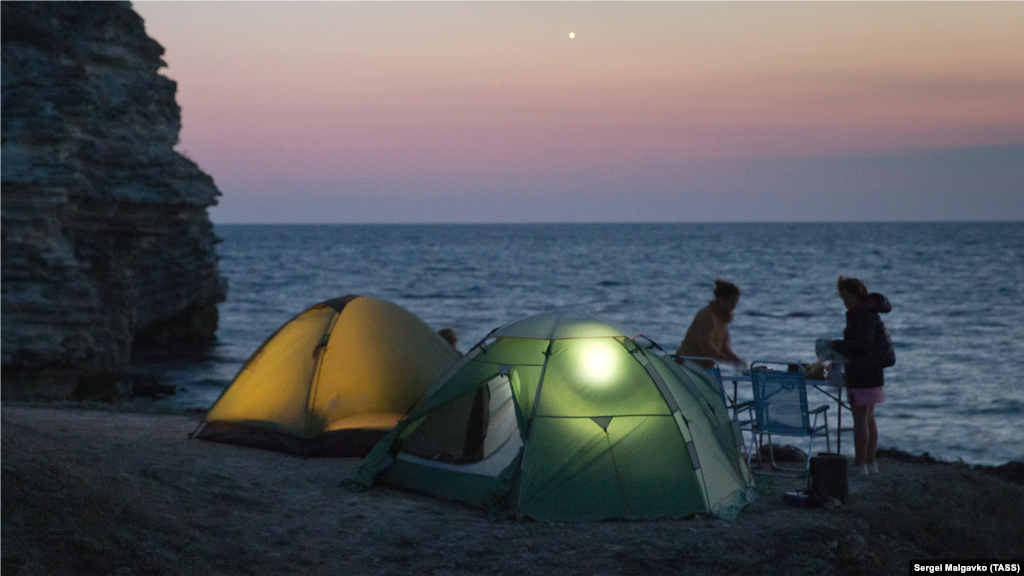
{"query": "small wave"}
(1010, 407)
(770, 315)
(216, 382)
(904, 416)
(436, 296)
(609, 283)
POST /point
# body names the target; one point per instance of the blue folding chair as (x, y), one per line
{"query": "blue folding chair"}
(710, 365)
(780, 408)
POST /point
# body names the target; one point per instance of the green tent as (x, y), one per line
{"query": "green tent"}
(561, 417)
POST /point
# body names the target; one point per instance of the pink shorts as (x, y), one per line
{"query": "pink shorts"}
(865, 396)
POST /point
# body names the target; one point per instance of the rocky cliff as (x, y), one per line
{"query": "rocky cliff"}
(106, 238)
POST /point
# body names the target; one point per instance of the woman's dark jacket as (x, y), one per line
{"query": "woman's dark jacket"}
(866, 343)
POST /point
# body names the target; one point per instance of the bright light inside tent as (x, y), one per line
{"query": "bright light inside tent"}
(599, 362)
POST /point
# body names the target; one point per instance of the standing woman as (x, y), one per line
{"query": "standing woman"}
(868, 350)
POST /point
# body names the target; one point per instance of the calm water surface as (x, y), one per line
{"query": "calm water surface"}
(957, 390)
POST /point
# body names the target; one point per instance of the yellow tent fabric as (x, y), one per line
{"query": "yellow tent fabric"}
(333, 380)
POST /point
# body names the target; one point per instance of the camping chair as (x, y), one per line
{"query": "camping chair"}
(780, 408)
(710, 365)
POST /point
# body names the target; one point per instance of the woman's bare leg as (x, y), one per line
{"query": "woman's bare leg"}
(860, 433)
(872, 433)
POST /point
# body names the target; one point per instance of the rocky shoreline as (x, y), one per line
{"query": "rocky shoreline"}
(1012, 471)
(119, 493)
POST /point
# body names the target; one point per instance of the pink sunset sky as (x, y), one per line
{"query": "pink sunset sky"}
(488, 112)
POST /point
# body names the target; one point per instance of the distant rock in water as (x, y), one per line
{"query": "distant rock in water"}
(106, 238)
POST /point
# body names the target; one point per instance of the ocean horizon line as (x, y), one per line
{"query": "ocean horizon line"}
(630, 223)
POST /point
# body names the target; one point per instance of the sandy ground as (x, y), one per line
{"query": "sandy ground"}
(100, 492)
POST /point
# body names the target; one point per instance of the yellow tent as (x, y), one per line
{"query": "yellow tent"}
(332, 381)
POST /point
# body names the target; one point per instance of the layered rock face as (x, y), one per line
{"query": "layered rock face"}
(106, 238)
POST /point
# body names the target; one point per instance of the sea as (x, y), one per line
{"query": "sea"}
(957, 290)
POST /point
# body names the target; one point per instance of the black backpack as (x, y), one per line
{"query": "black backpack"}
(882, 354)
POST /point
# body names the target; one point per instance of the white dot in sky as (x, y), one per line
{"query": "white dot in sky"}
(572, 35)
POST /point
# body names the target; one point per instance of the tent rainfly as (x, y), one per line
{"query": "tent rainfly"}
(332, 381)
(560, 417)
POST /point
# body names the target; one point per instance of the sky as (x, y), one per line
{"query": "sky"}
(432, 112)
